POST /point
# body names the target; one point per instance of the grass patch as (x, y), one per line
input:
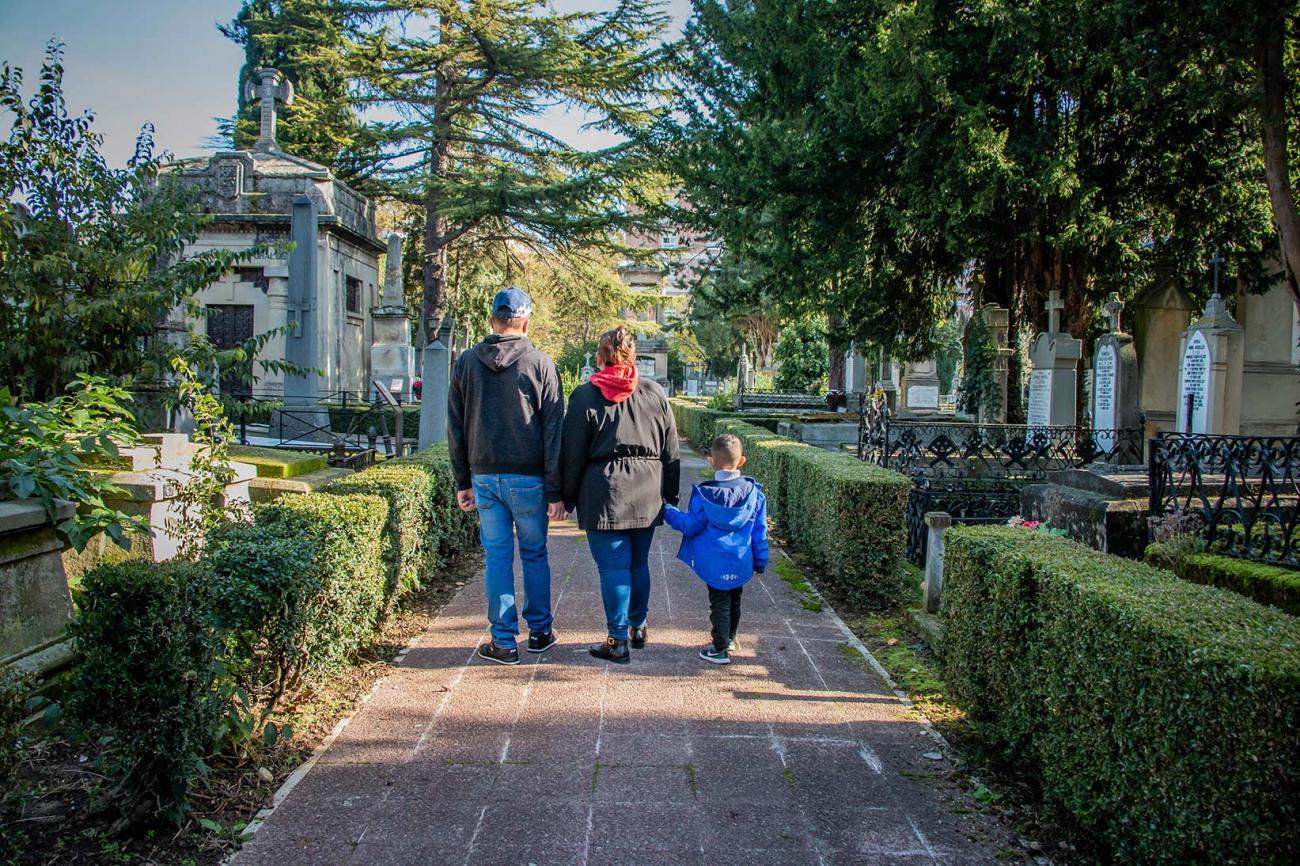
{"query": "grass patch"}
(790, 574)
(278, 462)
(691, 780)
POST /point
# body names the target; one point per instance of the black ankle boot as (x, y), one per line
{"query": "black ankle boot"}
(637, 637)
(612, 650)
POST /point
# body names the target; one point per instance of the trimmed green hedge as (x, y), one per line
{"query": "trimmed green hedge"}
(696, 422)
(301, 587)
(1266, 584)
(278, 462)
(847, 516)
(149, 661)
(1161, 714)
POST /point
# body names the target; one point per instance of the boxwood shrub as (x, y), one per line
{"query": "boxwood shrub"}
(451, 531)
(300, 587)
(1162, 714)
(149, 659)
(1266, 584)
(696, 422)
(847, 516)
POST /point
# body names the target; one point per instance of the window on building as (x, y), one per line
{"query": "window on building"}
(354, 295)
(668, 239)
(256, 276)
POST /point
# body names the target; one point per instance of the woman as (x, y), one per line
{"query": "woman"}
(619, 460)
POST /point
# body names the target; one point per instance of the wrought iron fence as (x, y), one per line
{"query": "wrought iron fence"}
(1244, 488)
(967, 500)
(794, 400)
(950, 448)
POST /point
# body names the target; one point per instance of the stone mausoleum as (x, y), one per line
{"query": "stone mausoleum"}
(251, 195)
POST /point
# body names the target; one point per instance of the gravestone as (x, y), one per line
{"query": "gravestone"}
(1054, 380)
(1270, 376)
(1161, 314)
(435, 366)
(588, 371)
(1114, 381)
(392, 357)
(920, 386)
(887, 382)
(1210, 376)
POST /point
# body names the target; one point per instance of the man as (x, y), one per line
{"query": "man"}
(505, 412)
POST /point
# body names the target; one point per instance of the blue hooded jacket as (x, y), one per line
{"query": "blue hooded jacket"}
(724, 531)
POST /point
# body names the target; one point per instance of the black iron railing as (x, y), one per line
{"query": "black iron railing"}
(952, 448)
(789, 400)
(967, 500)
(1244, 488)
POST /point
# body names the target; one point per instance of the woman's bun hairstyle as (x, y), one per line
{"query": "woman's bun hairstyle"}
(616, 348)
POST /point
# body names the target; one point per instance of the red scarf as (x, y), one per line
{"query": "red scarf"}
(616, 382)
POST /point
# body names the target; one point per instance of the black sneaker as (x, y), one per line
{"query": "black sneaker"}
(636, 637)
(499, 654)
(540, 642)
(716, 657)
(611, 650)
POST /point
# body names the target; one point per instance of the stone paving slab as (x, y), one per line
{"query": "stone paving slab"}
(794, 754)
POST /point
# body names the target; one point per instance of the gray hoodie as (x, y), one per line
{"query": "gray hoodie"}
(505, 412)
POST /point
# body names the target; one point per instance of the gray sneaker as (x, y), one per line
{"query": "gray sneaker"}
(715, 657)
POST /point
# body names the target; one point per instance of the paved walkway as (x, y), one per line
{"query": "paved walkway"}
(794, 754)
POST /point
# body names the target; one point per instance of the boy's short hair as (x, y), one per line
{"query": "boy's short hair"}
(727, 449)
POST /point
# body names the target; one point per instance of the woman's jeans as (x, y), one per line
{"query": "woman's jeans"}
(510, 505)
(623, 559)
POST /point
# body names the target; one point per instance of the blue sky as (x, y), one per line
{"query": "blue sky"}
(133, 61)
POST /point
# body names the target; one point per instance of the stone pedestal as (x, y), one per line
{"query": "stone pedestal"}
(1270, 375)
(392, 357)
(937, 523)
(1054, 380)
(35, 605)
(436, 365)
(920, 387)
(1102, 507)
(1210, 376)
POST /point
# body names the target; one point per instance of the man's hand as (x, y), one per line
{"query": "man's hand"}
(465, 499)
(555, 511)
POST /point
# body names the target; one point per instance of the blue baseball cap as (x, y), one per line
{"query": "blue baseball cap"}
(512, 303)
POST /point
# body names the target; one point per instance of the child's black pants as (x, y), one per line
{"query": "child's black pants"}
(724, 615)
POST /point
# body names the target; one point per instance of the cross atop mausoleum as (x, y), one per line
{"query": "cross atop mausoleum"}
(1215, 262)
(1113, 307)
(1054, 306)
(267, 85)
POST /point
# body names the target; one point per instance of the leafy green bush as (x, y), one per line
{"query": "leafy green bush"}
(847, 516)
(696, 422)
(1266, 584)
(47, 449)
(300, 587)
(13, 709)
(149, 663)
(278, 462)
(1163, 715)
(452, 531)
(412, 497)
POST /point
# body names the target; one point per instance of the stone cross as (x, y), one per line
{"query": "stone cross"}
(267, 85)
(1054, 306)
(1215, 262)
(587, 358)
(1113, 308)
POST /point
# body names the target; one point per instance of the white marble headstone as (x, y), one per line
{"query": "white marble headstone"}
(1039, 413)
(1194, 382)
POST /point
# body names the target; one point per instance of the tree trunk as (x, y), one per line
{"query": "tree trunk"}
(435, 247)
(1273, 126)
(836, 361)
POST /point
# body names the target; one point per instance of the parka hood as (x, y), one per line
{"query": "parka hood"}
(497, 352)
(730, 504)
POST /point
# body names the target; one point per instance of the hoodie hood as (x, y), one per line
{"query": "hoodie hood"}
(499, 351)
(616, 382)
(730, 504)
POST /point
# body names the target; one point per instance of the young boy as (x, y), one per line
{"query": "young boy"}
(724, 540)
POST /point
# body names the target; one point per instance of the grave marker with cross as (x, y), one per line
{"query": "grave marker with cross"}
(266, 85)
(1054, 306)
(1053, 383)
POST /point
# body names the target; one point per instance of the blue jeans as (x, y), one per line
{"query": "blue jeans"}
(510, 506)
(623, 559)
